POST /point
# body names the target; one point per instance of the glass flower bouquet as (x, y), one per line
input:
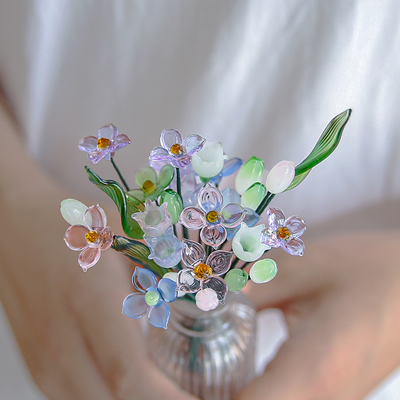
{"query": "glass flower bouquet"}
(189, 238)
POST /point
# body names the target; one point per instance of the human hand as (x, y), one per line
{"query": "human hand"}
(341, 303)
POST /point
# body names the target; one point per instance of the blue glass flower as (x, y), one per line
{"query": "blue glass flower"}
(151, 298)
(165, 250)
(211, 217)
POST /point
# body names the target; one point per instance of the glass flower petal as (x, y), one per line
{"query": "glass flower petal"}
(207, 299)
(187, 282)
(193, 218)
(263, 271)
(88, 143)
(166, 175)
(209, 161)
(75, 237)
(251, 172)
(232, 215)
(159, 154)
(296, 226)
(275, 217)
(169, 137)
(218, 285)
(120, 141)
(73, 212)
(230, 196)
(193, 144)
(106, 238)
(280, 177)
(143, 279)
(295, 247)
(159, 315)
(135, 306)
(167, 288)
(108, 132)
(193, 253)
(210, 198)
(173, 276)
(96, 216)
(270, 238)
(219, 261)
(213, 235)
(88, 257)
(146, 175)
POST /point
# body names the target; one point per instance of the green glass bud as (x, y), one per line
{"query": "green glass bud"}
(152, 297)
(263, 271)
(251, 172)
(253, 196)
(236, 279)
(175, 205)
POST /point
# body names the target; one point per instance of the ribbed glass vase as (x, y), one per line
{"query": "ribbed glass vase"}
(209, 354)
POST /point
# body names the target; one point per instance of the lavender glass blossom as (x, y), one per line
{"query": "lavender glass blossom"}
(211, 217)
(175, 150)
(151, 298)
(284, 232)
(107, 142)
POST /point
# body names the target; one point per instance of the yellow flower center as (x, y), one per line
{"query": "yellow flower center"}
(283, 233)
(176, 149)
(202, 271)
(92, 236)
(148, 187)
(103, 143)
(212, 217)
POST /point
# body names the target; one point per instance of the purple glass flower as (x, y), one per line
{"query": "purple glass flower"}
(175, 150)
(151, 298)
(200, 273)
(284, 232)
(211, 217)
(90, 238)
(108, 141)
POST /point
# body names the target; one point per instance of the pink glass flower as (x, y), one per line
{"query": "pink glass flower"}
(91, 238)
(175, 150)
(108, 141)
(284, 232)
(200, 273)
(211, 217)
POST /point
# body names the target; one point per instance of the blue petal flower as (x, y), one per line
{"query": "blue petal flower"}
(159, 315)
(143, 279)
(167, 289)
(135, 306)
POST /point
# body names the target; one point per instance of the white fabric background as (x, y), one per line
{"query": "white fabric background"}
(263, 77)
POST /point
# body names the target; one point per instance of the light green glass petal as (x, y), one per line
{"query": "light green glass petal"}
(209, 161)
(146, 175)
(174, 201)
(73, 211)
(236, 279)
(251, 172)
(166, 175)
(137, 194)
(263, 271)
(253, 196)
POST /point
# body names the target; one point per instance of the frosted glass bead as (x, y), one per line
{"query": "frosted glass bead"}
(207, 299)
(263, 271)
(236, 279)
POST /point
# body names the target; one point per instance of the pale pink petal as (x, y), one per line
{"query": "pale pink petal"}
(96, 155)
(75, 237)
(106, 238)
(159, 154)
(295, 247)
(276, 218)
(95, 217)
(88, 143)
(169, 137)
(219, 261)
(193, 253)
(108, 132)
(193, 218)
(88, 257)
(218, 285)
(213, 235)
(181, 161)
(296, 226)
(193, 144)
(120, 142)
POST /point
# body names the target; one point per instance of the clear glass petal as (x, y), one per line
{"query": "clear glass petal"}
(193, 144)
(135, 306)
(109, 132)
(207, 299)
(186, 281)
(96, 216)
(275, 217)
(193, 218)
(167, 288)
(165, 176)
(159, 315)
(88, 143)
(106, 238)
(73, 211)
(96, 155)
(193, 253)
(88, 257)
(143, 279)
(295, 247)
(280, 177)
(232, 215)
(120, 142)
(210, 198)
(219, 261)
(181, 161)
(213, 235)
(170, 137)
(146, 174)
(296, 226)
(269, 237)
(251, 172)
(253, 196)
(159, 154)
(218, 285)
(230, 196)
(75, 237)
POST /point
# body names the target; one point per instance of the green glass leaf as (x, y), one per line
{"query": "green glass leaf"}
(126, 205)
(298, 179)
(137, 252)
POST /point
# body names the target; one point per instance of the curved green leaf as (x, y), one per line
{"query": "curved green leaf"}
(138, 252)
(326, 144)
(298, 179)
(127, 205)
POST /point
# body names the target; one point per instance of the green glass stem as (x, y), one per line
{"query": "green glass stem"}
(179, 191)
(120, 175)
(263, 205)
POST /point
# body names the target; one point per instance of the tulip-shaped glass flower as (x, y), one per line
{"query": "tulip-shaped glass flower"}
(284, 232)
(151, 298)
(202, 274)
(107, 142)
(209, 161)
(90, 236)
(153, 220)
(211, 217)
(165, 250)
(175, 150)
(250, 173)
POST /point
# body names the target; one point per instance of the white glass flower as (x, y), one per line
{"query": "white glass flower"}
(209, 161)
(247, 245)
